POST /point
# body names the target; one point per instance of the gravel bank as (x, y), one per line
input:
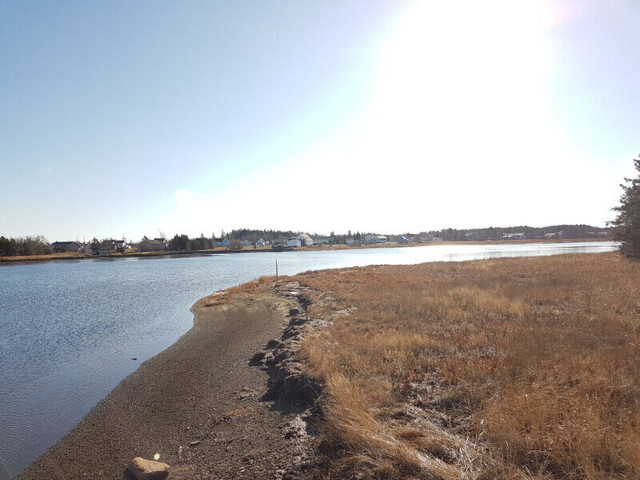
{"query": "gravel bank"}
(197, 404)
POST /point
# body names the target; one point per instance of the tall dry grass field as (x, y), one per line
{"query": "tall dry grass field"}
(509, 368)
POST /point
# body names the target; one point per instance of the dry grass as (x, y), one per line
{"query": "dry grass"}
(511, 368)
(246, 290)
(42, 258)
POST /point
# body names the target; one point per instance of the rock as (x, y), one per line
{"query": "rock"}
(268, 359)
(271, 344)
(298, 321)
(293, 312)
(257, 359)
(291, 332)
(141, 469)
(296, 428)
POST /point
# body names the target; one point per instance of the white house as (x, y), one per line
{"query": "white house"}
(293, 242)
(305, 239)
(261, 242)
(514, 236)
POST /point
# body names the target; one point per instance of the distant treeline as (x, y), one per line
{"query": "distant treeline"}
(271, 235)
(498, 233)
(181, 242)
(37, 245)
(255, 235)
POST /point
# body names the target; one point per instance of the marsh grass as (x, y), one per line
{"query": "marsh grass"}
(509, 368)
(246, 290)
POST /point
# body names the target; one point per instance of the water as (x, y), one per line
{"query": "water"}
(70, 331)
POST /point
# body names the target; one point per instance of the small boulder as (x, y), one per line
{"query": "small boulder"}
(141, 469)
(257, 359)
(271, 344)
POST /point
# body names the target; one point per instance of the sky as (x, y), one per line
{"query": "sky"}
(124, 119)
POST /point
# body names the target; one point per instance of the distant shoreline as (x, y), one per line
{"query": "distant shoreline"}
(222, 250)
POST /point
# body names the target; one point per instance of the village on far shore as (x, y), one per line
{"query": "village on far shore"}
(280, 240)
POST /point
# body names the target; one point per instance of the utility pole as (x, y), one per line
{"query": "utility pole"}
(276, 272)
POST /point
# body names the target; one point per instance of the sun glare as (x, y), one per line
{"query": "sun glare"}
(452, 71)
(459, 92)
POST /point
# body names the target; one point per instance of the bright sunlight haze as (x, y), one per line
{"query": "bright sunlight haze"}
(130, 119)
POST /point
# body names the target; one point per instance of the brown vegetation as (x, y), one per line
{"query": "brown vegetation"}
(509, 368)
(42, 258)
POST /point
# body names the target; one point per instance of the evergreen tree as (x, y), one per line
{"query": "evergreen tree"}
(626, 226)
(7, 247)
(179, 242)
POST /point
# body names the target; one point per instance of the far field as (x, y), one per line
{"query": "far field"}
(508, 368)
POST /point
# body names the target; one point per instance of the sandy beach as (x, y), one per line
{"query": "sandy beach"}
(197, 404)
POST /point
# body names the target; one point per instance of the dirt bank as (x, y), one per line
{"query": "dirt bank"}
(197, 404)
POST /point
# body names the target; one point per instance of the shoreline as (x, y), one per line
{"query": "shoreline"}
(198, 403)
(71, 256)
(218, 314)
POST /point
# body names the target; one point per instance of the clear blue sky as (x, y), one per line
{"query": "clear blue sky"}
(130, 118)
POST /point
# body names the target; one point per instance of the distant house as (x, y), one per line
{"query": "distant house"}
(66, 246)
(375, 239)
(155, 245)
(102, 249)
(247, 243)
(403, 239)
(350, 241)
(305, 239)
(514, 236)
(105, 247)
(293, 242)
(321, 241)
(224, 242)
(428, 237)
(118, 245)
(552, 235)
(261, 242)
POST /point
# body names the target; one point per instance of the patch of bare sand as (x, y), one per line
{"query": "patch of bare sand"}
(197, 404)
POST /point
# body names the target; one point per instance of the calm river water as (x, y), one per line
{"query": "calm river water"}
(69, 331)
